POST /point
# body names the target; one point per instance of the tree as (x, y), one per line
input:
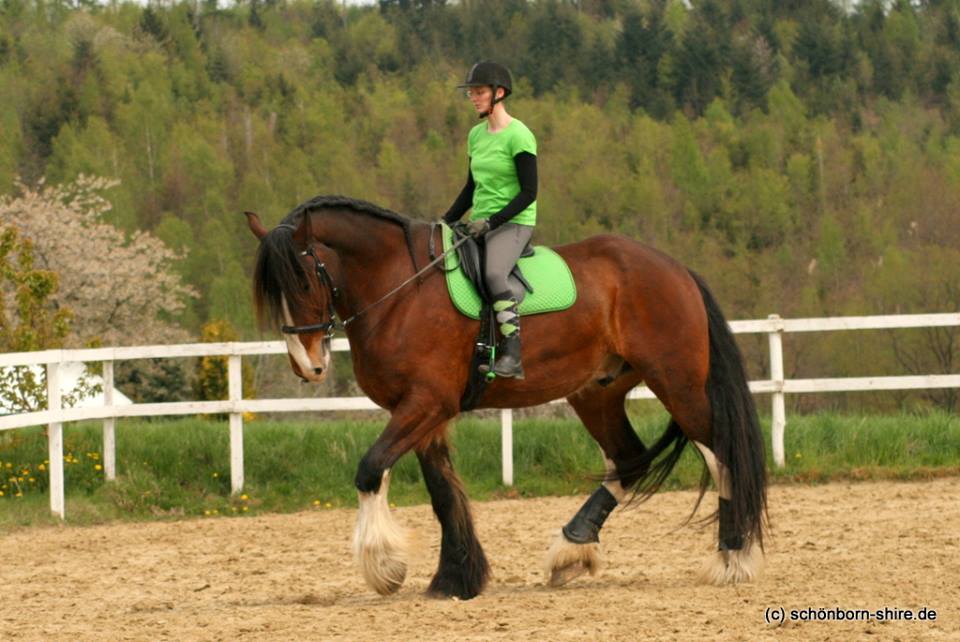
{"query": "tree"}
(121, 290)
(30, 321)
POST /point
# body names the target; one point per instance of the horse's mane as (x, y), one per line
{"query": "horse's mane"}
(278, 270)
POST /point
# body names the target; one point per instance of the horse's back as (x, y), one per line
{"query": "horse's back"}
(635, 285)
(606, 255)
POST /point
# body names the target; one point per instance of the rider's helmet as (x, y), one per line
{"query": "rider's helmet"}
(489, 73)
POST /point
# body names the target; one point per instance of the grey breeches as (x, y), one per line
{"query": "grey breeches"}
(504, 246)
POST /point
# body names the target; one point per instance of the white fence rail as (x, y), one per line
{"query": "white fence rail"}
(55, 416)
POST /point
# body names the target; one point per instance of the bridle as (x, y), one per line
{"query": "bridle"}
(328, 327)
(332, 325)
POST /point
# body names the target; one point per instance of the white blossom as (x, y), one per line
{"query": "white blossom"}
(122, 290)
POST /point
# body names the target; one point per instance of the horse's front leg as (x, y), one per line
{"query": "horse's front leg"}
(463, 571)
(379, 543)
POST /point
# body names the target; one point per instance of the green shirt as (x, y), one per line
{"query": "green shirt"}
(494, 171)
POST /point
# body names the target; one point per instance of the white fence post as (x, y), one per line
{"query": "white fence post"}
(779, 410)
(236, 423)
(109, 425)
(506, 445)
(55, 442)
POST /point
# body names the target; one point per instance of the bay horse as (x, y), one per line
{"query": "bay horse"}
(639, 317)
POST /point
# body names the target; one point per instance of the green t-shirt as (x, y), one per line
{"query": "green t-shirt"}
(494, 171)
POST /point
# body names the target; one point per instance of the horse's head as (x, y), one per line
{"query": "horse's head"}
(293, 292)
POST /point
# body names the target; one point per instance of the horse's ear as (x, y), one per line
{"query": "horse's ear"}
(301, 235)
(255, 225)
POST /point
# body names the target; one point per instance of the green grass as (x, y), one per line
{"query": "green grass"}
(173, 468)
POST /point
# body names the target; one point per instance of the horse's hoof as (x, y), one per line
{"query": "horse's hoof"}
(385, 576)
(732, 567)
(379, 544)
(561, 576)
(567, 560)
(443, 589)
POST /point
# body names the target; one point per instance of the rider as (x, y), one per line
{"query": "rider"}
(501, 189)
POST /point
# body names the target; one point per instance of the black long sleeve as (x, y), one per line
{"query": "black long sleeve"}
(527, 175)
(464, 201)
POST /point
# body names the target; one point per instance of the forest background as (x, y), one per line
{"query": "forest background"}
(804, 156)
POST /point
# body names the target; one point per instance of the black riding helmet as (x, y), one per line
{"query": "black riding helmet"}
(489, 73)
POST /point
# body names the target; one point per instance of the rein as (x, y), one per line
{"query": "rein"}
(331, 326)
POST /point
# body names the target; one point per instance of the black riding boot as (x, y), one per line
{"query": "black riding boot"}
(508, 357)
(508, 351)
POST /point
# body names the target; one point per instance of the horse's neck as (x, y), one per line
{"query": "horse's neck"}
(372, 254)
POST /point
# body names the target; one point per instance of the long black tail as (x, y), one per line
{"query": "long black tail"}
(737, 440)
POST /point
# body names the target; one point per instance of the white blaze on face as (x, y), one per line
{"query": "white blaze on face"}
(296, 349)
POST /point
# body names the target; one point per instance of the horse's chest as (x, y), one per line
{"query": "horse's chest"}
(381, 375)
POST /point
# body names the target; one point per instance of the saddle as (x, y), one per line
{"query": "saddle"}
(546, 271)
(471, 256)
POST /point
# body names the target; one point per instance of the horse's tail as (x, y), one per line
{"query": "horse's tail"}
(735, 428)
(650, 471)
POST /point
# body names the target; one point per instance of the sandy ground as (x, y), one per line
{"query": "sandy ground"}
(290, 577)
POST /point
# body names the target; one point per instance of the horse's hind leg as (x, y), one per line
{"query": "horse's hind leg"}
(576, 549)
(463, 570)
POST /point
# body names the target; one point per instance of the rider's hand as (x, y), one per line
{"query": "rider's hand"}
(478, 228)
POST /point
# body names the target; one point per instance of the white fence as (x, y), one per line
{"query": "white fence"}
(55, 416)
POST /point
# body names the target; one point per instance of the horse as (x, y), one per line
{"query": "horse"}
(639, 317)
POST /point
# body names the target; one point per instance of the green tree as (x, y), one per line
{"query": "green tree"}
(29, 321)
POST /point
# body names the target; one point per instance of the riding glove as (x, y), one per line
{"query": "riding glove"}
(478, 228)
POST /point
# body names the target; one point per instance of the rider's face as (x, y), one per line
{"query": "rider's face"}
(480, 97)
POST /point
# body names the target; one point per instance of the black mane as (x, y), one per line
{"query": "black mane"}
(355, 204)
(278, 270)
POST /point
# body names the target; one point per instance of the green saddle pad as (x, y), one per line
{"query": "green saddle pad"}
(547, 273)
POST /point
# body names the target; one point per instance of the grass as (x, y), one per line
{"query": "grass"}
(173, 468)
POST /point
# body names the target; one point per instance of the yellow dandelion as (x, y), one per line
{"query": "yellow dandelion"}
(19, 479)
(392, 505)
(41, 468)
(244, 497)
(19, 494)
(1, 493)
(215, 475)
(206, 512)
(316, 502)
(328, 505)
(97, 467)
(9, 465)
(798, 456)
(32, 480)
(245, 509)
